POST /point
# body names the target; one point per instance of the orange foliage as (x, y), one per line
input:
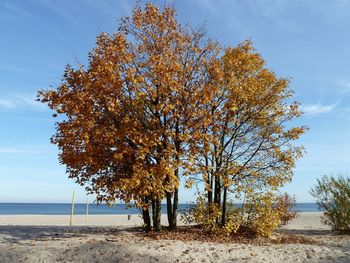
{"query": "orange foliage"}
(129, 112)
(157, 101)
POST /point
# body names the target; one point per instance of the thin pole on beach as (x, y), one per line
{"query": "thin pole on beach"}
(71, 215)
(87, 210)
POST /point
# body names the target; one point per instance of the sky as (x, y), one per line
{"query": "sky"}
(307, 41)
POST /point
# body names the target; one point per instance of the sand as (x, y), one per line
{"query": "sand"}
(109, 238)
(78, 220)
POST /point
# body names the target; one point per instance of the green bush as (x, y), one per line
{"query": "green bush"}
(333, 196)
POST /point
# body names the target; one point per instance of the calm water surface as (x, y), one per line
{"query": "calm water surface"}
(80, 209)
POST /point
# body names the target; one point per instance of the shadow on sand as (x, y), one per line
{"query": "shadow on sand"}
(75, 244)
(15, 234)
(78, 244)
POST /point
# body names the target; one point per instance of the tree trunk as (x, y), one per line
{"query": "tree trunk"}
(224, 200)
(176, 191)
(209, 185)
(175, 207)
(217, 195)
(217, 191)
(210, 198)
(153, 211)
(157, 216)
(169, 207)
(146, 219)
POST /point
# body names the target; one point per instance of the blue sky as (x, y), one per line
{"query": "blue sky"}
(305, 40)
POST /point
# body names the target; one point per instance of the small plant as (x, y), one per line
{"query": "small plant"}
(267, 211)
(187, 214)
(285, 204)
(207, 215)
(333, 196)
(259, 216)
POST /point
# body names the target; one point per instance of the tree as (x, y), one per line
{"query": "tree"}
(158, 101)
(129, 115)
(333, 196)
(248, 147)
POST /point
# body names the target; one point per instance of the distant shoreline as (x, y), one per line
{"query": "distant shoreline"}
(102, 209)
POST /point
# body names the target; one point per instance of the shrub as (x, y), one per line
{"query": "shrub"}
(207, 215)
(285, 204)
(333, 196)
(259, 216)
(267, 211)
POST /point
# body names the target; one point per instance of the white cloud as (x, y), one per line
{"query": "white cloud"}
(7, 104)
(13, 150)
(19, 100)
(344, 85)
(313, 109)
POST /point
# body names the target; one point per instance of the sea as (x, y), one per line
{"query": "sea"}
(101, 209)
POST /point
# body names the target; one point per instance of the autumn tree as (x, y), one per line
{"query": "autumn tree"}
(129, 115)
(158, 101)
(249, 144)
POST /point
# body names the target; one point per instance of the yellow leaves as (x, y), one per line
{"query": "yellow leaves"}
(85, 137)
(189, 183)
(208, 188)
(202, 217)
(268, 212)
(233, 108)
(227, 182)
(295, 133)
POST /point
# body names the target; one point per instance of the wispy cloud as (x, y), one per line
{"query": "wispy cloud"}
(313, 109)
(113, 7)
(271, 13)
(39, 73)
(344, 86)
(14, 68)
(20, 101)
(15, 10)
(64, 11)
(14, 150)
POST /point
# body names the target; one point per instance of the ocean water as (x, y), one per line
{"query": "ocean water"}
(80, 209)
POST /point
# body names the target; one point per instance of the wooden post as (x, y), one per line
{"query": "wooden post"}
(87, 209)
(71, 215)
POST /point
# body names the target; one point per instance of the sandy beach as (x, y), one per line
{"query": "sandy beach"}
(110, 238)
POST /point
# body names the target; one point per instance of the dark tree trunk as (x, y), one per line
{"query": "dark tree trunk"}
(217, 195)
(169, 207)
(224, 200)
(217, 191)
(209, 184)
(146, 219)
(175, 207)
(157, 216)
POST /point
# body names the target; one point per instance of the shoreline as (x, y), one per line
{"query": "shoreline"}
(306, 220)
